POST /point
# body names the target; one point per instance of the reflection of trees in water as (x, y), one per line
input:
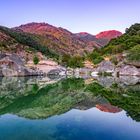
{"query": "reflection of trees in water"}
(36, 102)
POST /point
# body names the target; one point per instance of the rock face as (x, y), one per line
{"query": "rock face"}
(13, 65)
(106, 66)
(129, 70)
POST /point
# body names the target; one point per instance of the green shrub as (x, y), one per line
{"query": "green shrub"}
(73, 62)
(95, 57)
(134, 54)
(36, 60)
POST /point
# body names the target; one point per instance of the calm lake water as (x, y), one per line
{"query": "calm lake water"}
(70, 109)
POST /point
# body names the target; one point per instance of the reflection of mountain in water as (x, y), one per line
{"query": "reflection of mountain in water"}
(32, 98)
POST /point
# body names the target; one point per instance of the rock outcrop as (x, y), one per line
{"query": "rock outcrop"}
(128, 70)
(13, 65)
(106, 66)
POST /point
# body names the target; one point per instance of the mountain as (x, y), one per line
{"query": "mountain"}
(100, 39)
(58, 39)
(55, 42)
(111, 34)
(89, 39)
(66, 42)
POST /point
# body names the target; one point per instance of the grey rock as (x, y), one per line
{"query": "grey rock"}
(128, 70)
(106, 66)
(13, 65)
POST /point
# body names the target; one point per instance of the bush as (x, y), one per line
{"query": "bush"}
(73, 62)
(134, 54)
(36, 60)
(95, 57)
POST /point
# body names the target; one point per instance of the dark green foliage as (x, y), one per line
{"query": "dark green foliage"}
(125, 42)
(29, 40)
(73, 62)
(36, 60)
(95, 57)
(134, 29)
(134, 53)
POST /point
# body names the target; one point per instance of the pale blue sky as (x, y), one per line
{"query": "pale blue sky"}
(90, 16)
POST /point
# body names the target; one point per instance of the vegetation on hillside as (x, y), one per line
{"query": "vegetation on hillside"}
(73, 62)
(37, 43)
(95, 57)
(134, 53)
(129, 43)
(29, 40)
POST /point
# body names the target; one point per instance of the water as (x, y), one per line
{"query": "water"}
(70, 109)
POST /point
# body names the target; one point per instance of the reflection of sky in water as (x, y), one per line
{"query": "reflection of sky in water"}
(73, 125)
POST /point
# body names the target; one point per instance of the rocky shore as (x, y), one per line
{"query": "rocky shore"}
(13, 65)
(105, 68)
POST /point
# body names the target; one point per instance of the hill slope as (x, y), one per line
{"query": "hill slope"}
(124, 48)
(51, 41)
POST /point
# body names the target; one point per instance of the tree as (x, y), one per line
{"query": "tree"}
(36, 60)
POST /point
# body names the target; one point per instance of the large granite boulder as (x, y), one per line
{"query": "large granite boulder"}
(128, 70)
(106, 66)
(13, 65)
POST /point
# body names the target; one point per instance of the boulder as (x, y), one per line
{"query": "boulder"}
(128, 70)
(106, 66)
(127, 80)
(56, 73)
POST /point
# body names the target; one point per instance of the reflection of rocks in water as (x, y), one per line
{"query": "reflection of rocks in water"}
(108, 108)
(128, 80)
(106, 81)
(121, 81)
(14, 85)
(56, 74)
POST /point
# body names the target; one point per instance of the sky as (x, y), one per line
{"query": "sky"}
(92, 16)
